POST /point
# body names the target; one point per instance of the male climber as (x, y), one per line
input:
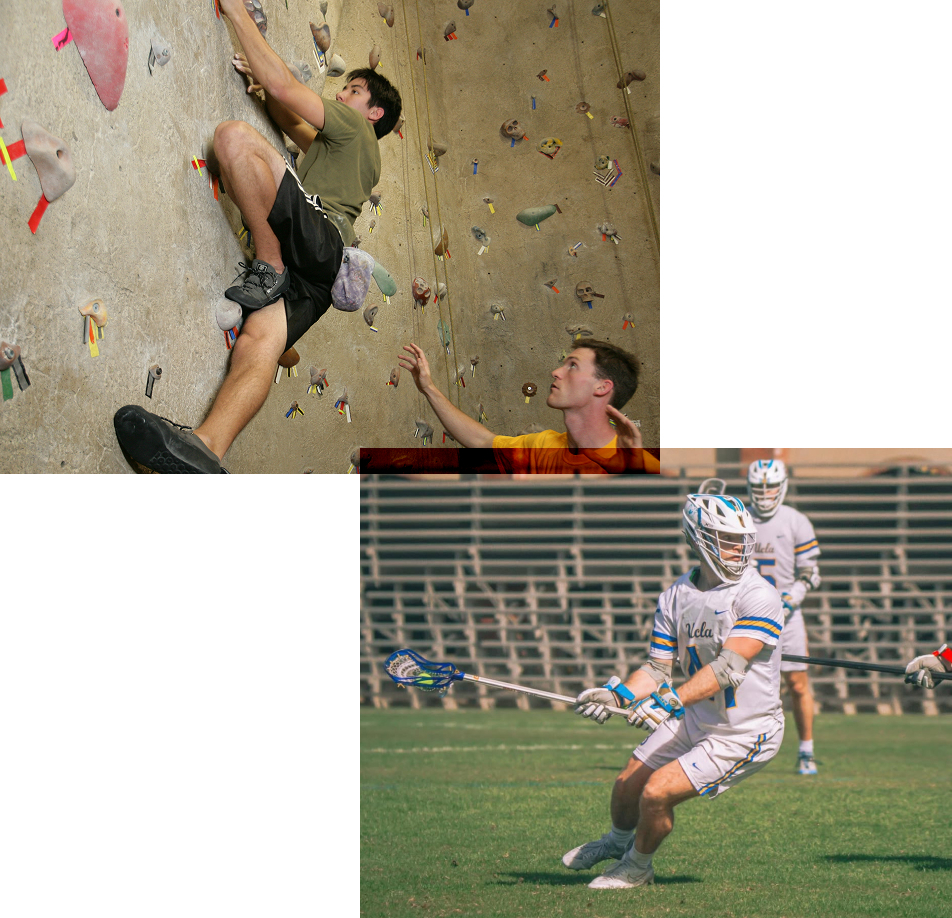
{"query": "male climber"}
(594, 382)
(300, 222)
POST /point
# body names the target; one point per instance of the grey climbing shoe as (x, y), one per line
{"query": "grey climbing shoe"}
(261, 287)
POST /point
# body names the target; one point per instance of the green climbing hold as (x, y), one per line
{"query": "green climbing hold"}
(535, 215)
(387, 285)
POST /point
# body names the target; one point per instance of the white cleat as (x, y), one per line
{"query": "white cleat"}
(623, 875)
(806, 764)
(592, 853)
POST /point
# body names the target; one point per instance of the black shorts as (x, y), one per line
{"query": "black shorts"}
(311, 248)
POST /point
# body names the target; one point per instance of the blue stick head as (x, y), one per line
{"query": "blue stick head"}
(406, 667)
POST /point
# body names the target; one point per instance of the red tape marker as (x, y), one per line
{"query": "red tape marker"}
(16, 150)
(38, 215)
(3, 89)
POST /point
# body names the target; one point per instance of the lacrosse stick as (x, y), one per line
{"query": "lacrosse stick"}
(408, 668)
(852, 664)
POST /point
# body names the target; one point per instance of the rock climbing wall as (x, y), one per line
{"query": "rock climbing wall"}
(140, 237)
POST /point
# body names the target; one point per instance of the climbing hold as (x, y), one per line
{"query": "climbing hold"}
(257, 15)
(441, 292)
(533, 216)
(473, 361)
(336, 66)
(398, 127)
(374, 56)
(322, 35)
(606, 229)
(8, 353)
(395, 377)
(550, 146)
(290, 358)
(631, 76)
(603, 163)
(386, 284)
(497, 312)
(586, 293)
(301, 70)
(465, 4)
(480, 236)
(599, 10)
(529, 389)
(449, 31)
(579, 331)
(159, 53)
(101, 34)
(626, 320)
(423, 430)
(369, 313)
(513, 128)
(155, 374)
(421, 55)
(323, 6)
(386, 12)
(444, 332)
(421, 291)
(442, 247)
(655, 168)
(318, 380)
(51, 157)
(583, 107)
(10, 357)
(375, 200)
(620, 122)
(436, 147)
(228, 315)
(95, 311)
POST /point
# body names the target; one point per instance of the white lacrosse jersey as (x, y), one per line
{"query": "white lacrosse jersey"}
(692, 625)
(785, 542)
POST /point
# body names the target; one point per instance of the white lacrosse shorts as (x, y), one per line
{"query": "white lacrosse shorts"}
(713, 763)
(793, 639)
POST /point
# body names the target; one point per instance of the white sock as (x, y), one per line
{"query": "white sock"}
(806, 746)
(642, 861)
(622, 836)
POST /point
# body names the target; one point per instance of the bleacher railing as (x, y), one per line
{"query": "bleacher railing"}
(553, 583)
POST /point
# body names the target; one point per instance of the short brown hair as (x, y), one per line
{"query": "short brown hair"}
(613, 363)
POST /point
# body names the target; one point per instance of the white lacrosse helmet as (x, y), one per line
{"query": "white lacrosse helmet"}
(767, 486)
(722, 533)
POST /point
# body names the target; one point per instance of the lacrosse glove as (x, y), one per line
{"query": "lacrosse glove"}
(789, 605)
(656, 708)
(591, 703)
(919, 671)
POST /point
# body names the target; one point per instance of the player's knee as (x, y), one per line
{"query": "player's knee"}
(797, 682)
(653, 796)
(230, 137)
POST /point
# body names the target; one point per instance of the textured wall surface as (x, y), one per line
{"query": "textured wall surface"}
(141, 230)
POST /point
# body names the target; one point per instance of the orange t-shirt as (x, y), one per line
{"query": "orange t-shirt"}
(548, 453)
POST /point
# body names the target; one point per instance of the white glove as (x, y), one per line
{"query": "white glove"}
(919, 671)
(656, 708)
(591, 703)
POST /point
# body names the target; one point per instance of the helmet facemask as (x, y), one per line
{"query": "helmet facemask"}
(767, 486)
(721, 534)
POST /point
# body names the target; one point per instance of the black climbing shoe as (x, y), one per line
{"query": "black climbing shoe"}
(261, 287)
(161, 445)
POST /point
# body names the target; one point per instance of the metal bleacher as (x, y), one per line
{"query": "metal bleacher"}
(552, 583)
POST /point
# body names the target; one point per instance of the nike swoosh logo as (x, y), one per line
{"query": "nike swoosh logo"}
(694, 765)
(721, 612)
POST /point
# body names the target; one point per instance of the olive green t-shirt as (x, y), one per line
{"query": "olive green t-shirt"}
(342, 165)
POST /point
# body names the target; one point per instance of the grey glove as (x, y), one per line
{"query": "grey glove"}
(919, 671)
(651, 712)
(591, 703)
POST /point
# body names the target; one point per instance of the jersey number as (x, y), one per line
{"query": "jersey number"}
(761, 564)
(694, 664)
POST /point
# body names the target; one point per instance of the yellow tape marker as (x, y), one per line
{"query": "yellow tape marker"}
(197, 166)
(6, 158)
(590, 115)
(492, 209)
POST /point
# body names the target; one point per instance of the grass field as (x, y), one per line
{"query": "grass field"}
(469, 812)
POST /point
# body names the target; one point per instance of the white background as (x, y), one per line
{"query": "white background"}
(178, 695)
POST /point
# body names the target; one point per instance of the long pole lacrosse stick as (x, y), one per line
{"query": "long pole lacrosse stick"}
(852, 664)
(406, 667)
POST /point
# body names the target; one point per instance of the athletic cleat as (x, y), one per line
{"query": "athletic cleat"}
(160, 445)
(261, 287)
(623, 875)
(806, 764)
(592, 853)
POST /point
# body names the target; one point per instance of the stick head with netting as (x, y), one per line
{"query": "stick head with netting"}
(408, 668)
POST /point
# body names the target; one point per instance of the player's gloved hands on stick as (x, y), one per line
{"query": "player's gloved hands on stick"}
(919, 671)
(789, 606)
(654, 710)
(591, 703)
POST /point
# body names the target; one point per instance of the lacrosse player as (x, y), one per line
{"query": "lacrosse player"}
(722, 622)
(920, 670)
(786, 557)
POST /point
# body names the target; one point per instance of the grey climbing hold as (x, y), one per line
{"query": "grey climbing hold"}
(159, 53)
(336, 66)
